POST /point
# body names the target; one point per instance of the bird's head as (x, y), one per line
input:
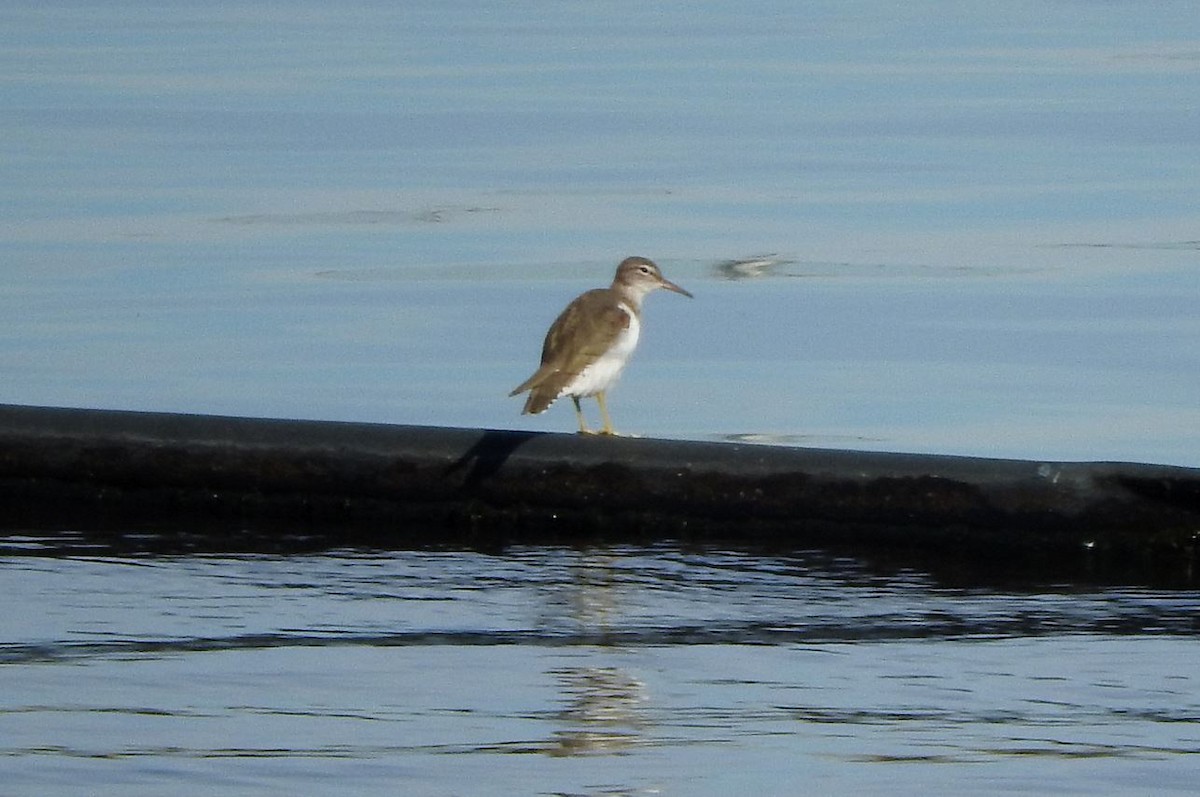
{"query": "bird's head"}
(639, 276)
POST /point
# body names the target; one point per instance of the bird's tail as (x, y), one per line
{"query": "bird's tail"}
(544, 389)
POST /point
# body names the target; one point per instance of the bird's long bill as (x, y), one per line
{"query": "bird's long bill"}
(671, 286)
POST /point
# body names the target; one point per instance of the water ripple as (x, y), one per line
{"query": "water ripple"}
(749, 633)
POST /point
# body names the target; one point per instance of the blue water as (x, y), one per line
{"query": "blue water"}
(976, 231)
(602, 671)
(982, 215)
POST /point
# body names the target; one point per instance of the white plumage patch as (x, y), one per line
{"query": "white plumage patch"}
(602, 374)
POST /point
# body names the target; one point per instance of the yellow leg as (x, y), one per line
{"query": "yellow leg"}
(602, 401)
(579, 414)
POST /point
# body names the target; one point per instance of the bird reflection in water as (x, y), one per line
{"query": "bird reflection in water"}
(602, 711)
(603, 707)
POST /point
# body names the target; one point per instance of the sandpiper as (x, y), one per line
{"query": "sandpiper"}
(590, 342)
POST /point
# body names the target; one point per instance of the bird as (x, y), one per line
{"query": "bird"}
(588, 345)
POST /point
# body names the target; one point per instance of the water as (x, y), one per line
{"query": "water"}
(595, 671)
(976, 225)
(982, 215)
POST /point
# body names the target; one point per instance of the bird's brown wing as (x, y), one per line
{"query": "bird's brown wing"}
(583, 332)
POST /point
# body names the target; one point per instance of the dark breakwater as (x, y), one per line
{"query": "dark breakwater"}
(266, 484)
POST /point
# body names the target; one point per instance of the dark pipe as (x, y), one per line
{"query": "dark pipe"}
(354, 483)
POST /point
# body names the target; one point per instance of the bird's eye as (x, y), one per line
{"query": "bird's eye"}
(645, 269)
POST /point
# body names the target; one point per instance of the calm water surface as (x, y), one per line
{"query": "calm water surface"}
(600, 671)
(980, 218)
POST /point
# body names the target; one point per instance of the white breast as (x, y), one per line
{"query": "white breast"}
(606, 370)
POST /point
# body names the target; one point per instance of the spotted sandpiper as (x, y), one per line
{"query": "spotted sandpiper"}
(590, 342)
